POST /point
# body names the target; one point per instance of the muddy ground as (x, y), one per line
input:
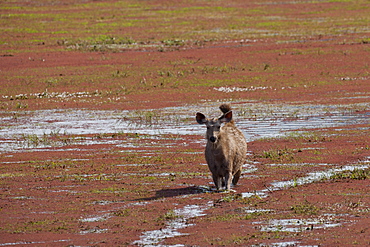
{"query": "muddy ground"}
(99, 144)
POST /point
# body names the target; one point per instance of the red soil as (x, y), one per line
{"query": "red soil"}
(48, 196)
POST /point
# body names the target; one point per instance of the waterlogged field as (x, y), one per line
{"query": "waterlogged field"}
(99, 143)
(139, 177)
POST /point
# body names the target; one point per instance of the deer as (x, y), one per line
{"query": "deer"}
(226, 148)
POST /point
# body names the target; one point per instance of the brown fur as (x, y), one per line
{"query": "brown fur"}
(225, 108)
(226, 148)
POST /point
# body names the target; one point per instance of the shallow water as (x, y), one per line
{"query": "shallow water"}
(309, 178)
(297, 225)
(256, 120)
(153, 238)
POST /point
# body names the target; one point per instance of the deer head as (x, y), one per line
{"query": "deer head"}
(214, 125)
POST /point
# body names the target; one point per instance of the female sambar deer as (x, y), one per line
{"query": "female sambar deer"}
(226, 148)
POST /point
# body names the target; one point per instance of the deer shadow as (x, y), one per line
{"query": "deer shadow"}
(165, 193)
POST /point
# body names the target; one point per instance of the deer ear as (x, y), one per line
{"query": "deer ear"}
(201, 119)
(227, 117)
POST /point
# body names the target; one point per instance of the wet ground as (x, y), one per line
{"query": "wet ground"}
(98, 140)
(257, 120)
(124, 164)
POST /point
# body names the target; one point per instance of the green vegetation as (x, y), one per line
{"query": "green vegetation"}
(96, 26)
(305, 208)
(356, 174)
(280, 155)
(122, 212)
(168, 216)
(54, 138)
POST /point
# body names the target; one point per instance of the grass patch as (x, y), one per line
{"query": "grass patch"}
(122, 212)
(356, 174)
(168, 216)
(42, 225)
(305, 208)
(152, 22)
(54, 138)
(256, 215)
(280, 155)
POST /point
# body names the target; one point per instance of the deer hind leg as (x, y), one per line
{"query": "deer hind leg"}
(237, 176)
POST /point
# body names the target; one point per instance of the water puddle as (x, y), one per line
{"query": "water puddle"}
(93, 230)
(33, 130)
(254, 211)
(310, 178)
(285, 244)
(300, 164)
(35, 243)
(297, 225)
(180, 221)
(96, 218)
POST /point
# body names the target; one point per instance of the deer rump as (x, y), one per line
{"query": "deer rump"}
(225, 150)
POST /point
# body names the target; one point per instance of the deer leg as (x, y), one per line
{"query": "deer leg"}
(218, 181)
(237, 176)
(228, 179)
